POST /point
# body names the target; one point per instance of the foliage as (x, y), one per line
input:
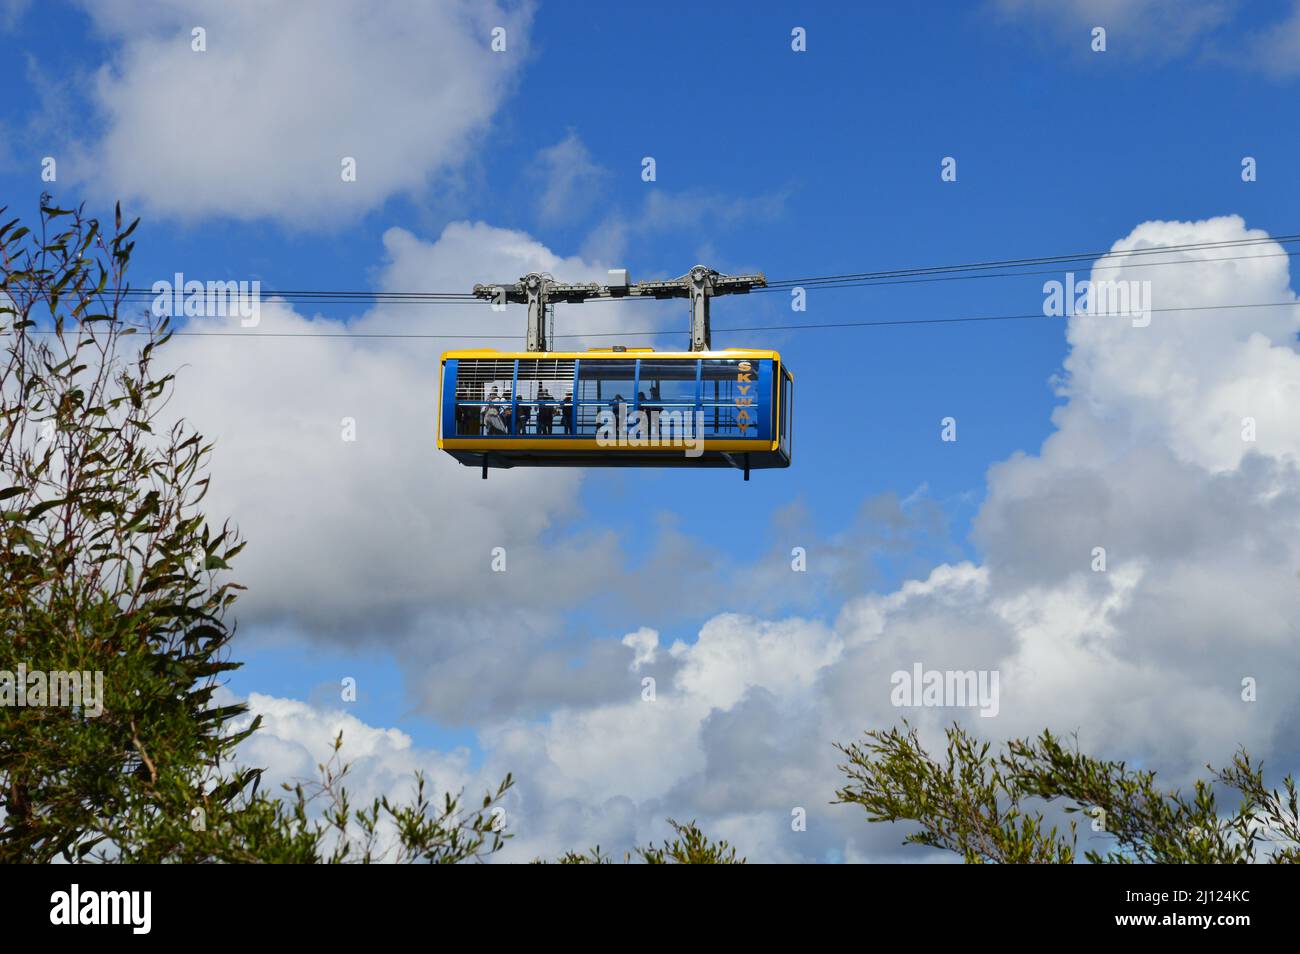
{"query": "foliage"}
(690, 847)
(316, 822)
(990, 807)
(110, 567)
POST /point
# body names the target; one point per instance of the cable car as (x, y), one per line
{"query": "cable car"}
(617, 407)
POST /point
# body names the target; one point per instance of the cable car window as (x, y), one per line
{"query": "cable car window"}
(666, 393)
(543, 404)
(787, 410)
(669, 382)
(481, 387)
(602, 385)
(728, 396)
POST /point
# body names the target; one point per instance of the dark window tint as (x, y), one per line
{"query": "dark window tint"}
(668, 383)
(603, 384)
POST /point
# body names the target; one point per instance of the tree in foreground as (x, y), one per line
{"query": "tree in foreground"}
(990, 807)
(109, 566)
(114, 615)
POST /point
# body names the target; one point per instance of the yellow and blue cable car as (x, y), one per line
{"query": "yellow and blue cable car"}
(620, 407)
(617, 407)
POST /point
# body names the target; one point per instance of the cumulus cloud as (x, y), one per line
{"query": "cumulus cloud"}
(258, 125)
(297, 737)
(570, 178)
(360, 535)
(383, 540)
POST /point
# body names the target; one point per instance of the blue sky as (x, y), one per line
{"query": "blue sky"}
(797, 164)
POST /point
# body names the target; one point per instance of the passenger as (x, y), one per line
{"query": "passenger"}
(524, 413)
(615, 406)
(634, 424)
(507, 409)
(566, 413)
(651, 410)
(492, 423)
(545, 413)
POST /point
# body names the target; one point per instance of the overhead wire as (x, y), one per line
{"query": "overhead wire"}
(921, 275)
(746, 328)
(901, 276)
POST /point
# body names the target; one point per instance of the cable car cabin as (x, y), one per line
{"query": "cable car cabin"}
(616, 408)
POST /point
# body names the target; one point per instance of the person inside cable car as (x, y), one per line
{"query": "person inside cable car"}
(652, 411)
(492, 422)
(545, 413)
(566, 413)
(616, 407)
(522, 416)
(465, 416)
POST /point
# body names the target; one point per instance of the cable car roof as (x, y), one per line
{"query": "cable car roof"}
(765, 353)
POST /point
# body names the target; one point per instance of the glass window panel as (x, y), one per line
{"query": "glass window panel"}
(482, 387)
(668, 383)
(603, 383)
(728, 394)
(541, 406)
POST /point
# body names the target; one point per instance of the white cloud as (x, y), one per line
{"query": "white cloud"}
(358, 536)
(12, 11)
(1277, 49)
(571, 180)
(385, 541)
(699, 216)
(1147, 28)
(296, 737)
(259, 124)
(1192, 376)
(1164, 29)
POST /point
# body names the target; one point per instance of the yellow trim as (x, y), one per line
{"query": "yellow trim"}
(442, 372)
(508, 444)
(628, 355)
(454, 443)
